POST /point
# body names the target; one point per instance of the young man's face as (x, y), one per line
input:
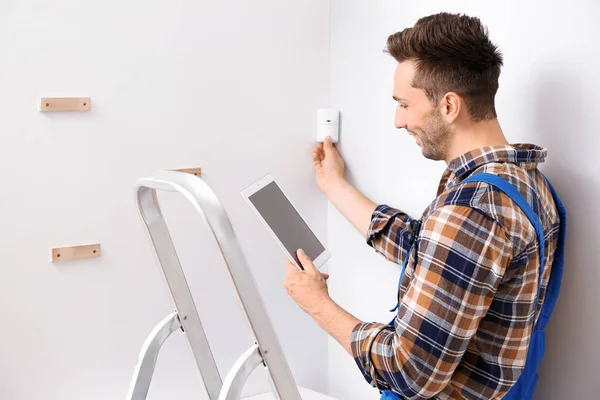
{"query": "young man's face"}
(418, 116)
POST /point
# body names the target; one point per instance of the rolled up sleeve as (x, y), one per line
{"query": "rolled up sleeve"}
(389, 233)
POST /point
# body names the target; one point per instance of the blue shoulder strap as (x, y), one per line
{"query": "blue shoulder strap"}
(518, 198)
(559, 260)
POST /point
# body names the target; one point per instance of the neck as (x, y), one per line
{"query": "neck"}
(474, 136)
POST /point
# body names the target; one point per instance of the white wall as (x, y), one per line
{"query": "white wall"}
(548, 95)
(229, 86)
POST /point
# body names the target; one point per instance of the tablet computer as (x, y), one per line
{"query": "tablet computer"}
(284, 222)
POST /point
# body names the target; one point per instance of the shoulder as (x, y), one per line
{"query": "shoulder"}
(489, 201)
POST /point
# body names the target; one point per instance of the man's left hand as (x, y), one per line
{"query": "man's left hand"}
(308, 288)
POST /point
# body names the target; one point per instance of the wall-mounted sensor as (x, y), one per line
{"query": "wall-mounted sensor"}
(327, 124)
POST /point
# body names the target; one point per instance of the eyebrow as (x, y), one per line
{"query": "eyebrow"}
(398, 98)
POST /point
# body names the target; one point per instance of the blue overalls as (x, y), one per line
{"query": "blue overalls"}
(525, 385)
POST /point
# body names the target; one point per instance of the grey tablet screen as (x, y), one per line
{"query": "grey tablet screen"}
(285, 221)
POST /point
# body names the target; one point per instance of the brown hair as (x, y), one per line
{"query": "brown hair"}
(453, 54)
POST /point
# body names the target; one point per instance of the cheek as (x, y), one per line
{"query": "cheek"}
(424, 122)
(407, 118)
(416, 124)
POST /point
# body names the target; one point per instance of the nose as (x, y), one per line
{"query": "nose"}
(399, 121)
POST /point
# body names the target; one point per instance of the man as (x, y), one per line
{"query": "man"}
(467, 302)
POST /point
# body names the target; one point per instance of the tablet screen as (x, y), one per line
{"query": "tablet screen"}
(285, 221)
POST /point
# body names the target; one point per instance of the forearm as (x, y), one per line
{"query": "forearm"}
(353, 205)
(336, 321)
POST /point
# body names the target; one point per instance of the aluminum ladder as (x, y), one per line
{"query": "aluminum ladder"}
(266, 350)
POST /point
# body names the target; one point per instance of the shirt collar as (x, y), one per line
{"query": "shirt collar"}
(526, 155)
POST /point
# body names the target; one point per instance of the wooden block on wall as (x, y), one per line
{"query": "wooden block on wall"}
(75, 252)
(65, 104)
(193, 171)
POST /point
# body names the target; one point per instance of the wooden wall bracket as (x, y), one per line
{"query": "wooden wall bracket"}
(193, 171)
(73, 253)
(49, 104)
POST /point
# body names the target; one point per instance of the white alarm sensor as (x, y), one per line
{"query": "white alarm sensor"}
(327, 124)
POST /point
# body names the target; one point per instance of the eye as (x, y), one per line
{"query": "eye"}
(402, 105)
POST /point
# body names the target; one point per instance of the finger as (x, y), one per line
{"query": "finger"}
(328, 144)
(318, 152)
(308, 265)
(318, 164)
(317, 156)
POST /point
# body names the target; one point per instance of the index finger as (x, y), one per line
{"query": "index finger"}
(306, 262)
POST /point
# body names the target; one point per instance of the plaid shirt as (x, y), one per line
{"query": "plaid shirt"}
(466, 303)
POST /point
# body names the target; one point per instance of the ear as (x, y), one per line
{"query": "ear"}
(451, 106)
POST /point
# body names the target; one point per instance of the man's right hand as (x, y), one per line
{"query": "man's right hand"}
(329, 166)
